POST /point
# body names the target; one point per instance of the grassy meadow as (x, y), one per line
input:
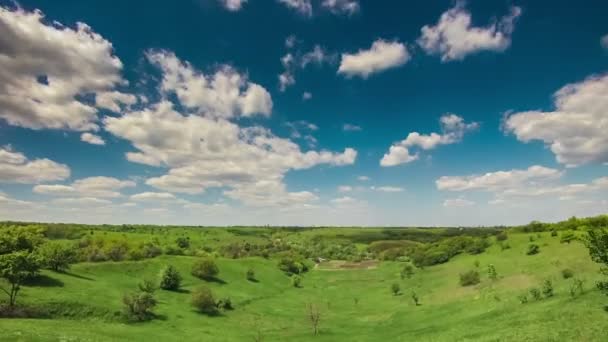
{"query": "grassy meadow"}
(353, 298)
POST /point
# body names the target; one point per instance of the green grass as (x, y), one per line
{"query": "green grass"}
(355, 305)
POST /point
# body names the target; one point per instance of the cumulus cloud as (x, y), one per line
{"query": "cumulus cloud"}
(348, 7)
(15, 167)
(204, 150)
(153, 197)
(101, 186)
(233, 5)
(576, 130)
(345, 188)
(454, 37)
(381, 56)
(225, 94)
(92, 139)
(453, 129)
(604, 42)
(363, 178)
(303, 7)
(387, 188)
(45, 68)
(296, 60)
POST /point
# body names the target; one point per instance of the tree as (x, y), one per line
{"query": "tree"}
(18, 260)
(138, 306)
(597, 243)
(205, 269)
(533, 249)
(147, 285)
(296, 280)
(469, 278)
(204, 301)
(170, 279)
(547, 288)
(182, 242)
(250, 275)
(57, 256)
(314, 315)
(415, 299)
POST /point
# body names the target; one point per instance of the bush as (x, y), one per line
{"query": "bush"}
(502, 236)
(567, 273)
(225, 304)
(251, 275)
(533, 249)
(292, 265)
(57, 256)
(203, 300)
(296, 281)
(504, 246)
(535, 293)
(548, 288)
(395, 289)
(407, 271)
(138, 306)
(469, 278)
(567, 237)
(415, 299)
(576, 287)
(523, 298)
(205, 269)
(116, 250)
(554, 233)
(147, 286)
(182, 242)
(170, 279)
(492, 274)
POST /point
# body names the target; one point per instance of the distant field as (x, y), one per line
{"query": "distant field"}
(353, 297)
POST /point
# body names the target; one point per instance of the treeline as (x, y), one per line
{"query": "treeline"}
(572, 223)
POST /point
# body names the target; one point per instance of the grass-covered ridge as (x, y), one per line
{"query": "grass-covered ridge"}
(347, 278)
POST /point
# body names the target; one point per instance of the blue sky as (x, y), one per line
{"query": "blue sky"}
(303, 112)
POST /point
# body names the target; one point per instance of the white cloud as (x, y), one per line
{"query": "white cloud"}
(290, 41)
(82, 202)
(345, 188)
(7, 202)
(457, 202)
(92, 139)
(453, 37)
(16, 168)
(153, 197)
(224, 94)
(348, 7)
(576, 131)
(304, 7)
(44, 68)
(208, 151)
(101, 186)
(317, 56)
(387, 189)
(604, 42)
(381, 56)
(363, 178)
(453, 129)
(306, 96)
(112, 100)
(499, 180)
(233, 5)
(292, 61)
(351, 128)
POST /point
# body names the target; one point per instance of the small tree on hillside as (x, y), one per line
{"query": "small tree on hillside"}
(18, 260)
(138, 306)
(533, 249)
(204, 301)
(407, 271)
(314, 316)
(170, 279)
(250, 275)
(597, 243)
(205, 269)
(469, 278)
(395, 289)
(57, 256)
(567, 237)
(492, 274)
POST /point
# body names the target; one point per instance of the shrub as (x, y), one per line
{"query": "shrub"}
(502, 236)
(57, 256)
(203, 300)
(554, 233)
(138, 306)
(492, 274)
(576, 287)
(250, 275)
(296, 281)
(225, 304)
(504, 246)
(477, 246)
(170, 279)
(567, 273)
(523, 299)
(116, 250)
(567, 237)
(415, 299)
(533, 249)
(395, 289)
(531, 238)
(147, 286)
(535, 293)
(407, 271)
(182, 242)
(205, 269)
(292, 265)
(476, 263)
(469, 278)
(548, 288)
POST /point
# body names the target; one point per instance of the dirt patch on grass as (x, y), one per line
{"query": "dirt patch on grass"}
(341, 265)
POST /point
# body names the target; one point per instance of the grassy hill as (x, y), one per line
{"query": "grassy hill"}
(355, 303)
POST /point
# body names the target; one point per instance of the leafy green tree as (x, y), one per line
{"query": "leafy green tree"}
(547, 288)
(170, 279)
(57, 256)
(535, 293)
(492, 274)
(250, 275)
(204, 301)
(18, 260)
(296, 280)
(407, 271)
(597, 243)
(395, 289)
(533, 249)
(415, 298)
(205, 268)
(182, 242)
(567, 273)
(147, 285)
